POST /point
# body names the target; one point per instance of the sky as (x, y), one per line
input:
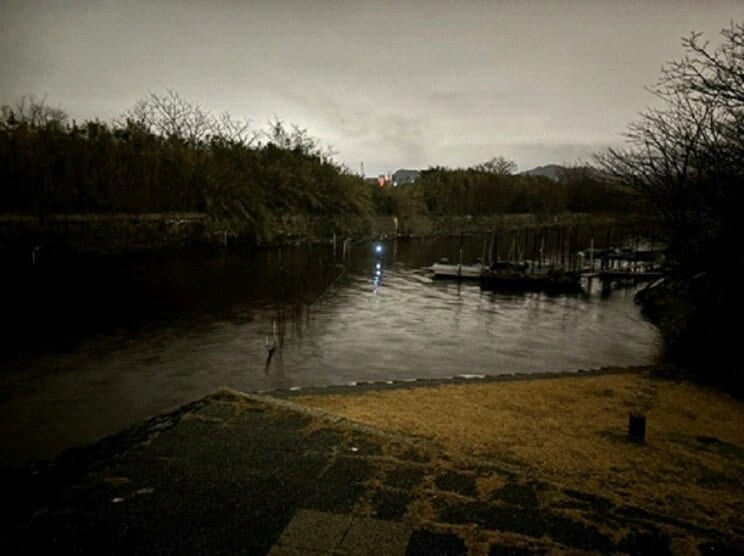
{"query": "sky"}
(390, 84)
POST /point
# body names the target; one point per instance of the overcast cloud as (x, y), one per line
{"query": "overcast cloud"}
(396, 85)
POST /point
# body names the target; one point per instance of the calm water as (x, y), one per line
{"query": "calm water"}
(110, 343)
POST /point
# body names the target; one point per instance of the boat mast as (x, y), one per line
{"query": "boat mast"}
(459, 263)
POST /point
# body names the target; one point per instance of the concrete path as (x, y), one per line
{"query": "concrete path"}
(313, 532)
(234, 474)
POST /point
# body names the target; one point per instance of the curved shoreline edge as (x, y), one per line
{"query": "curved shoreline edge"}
(107, 446)
(230, 451)
(357, 387)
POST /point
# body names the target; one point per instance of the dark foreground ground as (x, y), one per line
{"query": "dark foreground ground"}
(252, 475)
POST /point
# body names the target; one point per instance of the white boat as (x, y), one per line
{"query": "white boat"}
(446, 269)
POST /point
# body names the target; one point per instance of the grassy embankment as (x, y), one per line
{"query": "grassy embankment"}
(572, 432)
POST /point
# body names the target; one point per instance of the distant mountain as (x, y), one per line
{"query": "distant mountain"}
(551, 171)
(556, 172)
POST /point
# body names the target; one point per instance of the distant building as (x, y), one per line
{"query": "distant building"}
(383, 180)
(405, 176)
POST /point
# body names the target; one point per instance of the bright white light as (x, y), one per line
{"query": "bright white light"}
(378, 248)
(378, 266)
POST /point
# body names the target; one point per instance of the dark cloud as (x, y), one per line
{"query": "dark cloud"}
(391, 84)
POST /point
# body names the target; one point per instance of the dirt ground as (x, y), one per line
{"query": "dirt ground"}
(572, 432)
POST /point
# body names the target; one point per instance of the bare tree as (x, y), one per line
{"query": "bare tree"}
(715, 76)
(297, 139)
(170, 115)
(687, 159)
(499, 165)
(33, 111)
(227, 128)
(684, 155)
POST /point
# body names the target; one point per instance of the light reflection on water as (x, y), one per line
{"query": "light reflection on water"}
(410, 327)
(382, 319)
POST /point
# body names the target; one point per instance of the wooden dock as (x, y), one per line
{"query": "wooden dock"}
(611, 275)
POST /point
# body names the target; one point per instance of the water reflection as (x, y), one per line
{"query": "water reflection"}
(379, 316)
(377, 274)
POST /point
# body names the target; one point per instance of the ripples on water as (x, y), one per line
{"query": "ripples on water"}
(403, 325)
(413, 327)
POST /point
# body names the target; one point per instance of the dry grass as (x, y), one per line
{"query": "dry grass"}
(571, 431)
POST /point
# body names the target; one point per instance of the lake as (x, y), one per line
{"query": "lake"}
(95, 345)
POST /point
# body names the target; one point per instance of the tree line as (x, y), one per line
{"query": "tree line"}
(492, 187)
(483, 190)
(167, 154)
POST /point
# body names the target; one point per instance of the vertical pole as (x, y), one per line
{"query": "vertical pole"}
(591, 253)
(542, 245)
(637, 427)
(605, 258)
(637, 247)
(459, 264)
(574, 247)
(554, 249)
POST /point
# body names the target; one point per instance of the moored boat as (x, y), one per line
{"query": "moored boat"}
(445, 269)
(520, 276)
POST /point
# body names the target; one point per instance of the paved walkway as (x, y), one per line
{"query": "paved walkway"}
(313, 532)
(249, 475)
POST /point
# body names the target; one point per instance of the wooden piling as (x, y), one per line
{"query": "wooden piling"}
(591, 251)
(605, 259)
(572, 247)
(635, 255)
(543, 233)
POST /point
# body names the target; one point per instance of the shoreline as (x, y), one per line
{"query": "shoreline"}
(171, 415)
(362, 386)
(349, 388)
(444, 482)
(132, 234)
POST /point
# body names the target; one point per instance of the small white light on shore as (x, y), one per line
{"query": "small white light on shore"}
(378, 248)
